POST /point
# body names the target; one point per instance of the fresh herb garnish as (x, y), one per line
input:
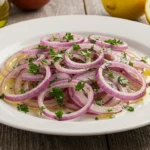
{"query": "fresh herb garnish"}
(58, 94)
(31, 59)
(33, 68)
(109, 110)
(96, 118)
(131, 63)
(22, 91)
(59, 114)
(70, 79)
(68, 36)
(68, 112)
(54, 55)
(99, 101)
(92, 47)
(2, 96)
(144, 59)
(86, 53)
(54, 80)
(41, 47)
(111, 74)
(76, 47)
(112, 116)
(114, 41)
(80, 85)
(23, 107)
(123, 81)
(44, 61)
(93, 41)
(130, 108)
(124, 58)
(54, 38)
(41, 110)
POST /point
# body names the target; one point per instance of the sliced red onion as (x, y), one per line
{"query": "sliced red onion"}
(65, 84)
(35, 91)
(100, 40)
(99, 60)
(26, 85)
(47, 40)
(32, 77)
(108, 89)
(34, 50)
(68, 70)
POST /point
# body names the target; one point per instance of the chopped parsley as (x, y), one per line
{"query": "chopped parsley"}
(54, 80)
(96, 118)
(86, 53)
(68, 36)
(54, 38)
(31, 59)
(92, 47)
(93, 41)
(80, 85)
(76, 47)
(123, 81)
(59, 114)
(44, 61)
(112, 116)
(114, 41)
(124, 58)
(22, 91)
(58, 94)
(69, 80)
(99, 101)
(109, 110)
(144, 59)
(54, 55)
(130, 108)
(23, 107)
(33, 68)
(2, 96)
(41, 47)
(111, 74)
(41, 110)
(131, 63)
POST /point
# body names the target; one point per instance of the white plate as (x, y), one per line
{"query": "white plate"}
(26, 33)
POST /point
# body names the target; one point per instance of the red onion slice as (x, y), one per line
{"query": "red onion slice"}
(35, 91)
(96, 48)
(64, 44)
(108, 89)
(65, 84)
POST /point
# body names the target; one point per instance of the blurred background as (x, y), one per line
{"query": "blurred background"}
(28, 9)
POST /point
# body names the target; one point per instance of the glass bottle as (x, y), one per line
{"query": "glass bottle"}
(4, 12)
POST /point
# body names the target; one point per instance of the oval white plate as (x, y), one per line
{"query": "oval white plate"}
(27, 33)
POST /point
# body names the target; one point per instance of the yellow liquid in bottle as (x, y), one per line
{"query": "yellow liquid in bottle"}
(4, 12)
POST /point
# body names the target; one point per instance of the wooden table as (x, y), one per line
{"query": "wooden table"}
(14, 139)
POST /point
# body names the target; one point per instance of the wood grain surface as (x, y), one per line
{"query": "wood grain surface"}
(14, 139)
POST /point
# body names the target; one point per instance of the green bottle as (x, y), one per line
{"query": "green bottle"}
(4, 12)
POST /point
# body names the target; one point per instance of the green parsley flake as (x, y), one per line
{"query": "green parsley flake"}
(59, 114)
(69, 80)
(144, 59)
(76, 47)
(93, 41)
(33, 68)
(131, 63)
(41, 47)
(23, 107)
(99, 101)
(22, 91)
(41, 110)
(92, 47)
(80, 85)
(2, 96)
(54, 80)
(44, 62)
(112, 116)
(109, 110)
(130, 108)
(58, 94)
(124, 58)
(96, 118)
(86, 53)
(54, 55)
(123, 81)
(110, 73)
(68, 36)
(54, 38)
(114, 41)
